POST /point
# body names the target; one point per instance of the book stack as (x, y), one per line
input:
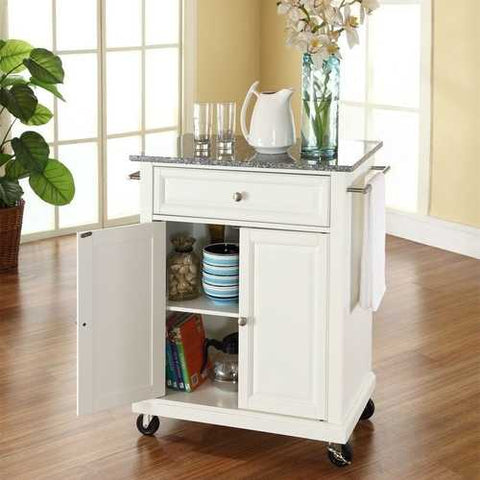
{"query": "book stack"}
(184, 351)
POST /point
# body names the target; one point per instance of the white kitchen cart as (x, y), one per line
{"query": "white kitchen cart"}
(305, 344)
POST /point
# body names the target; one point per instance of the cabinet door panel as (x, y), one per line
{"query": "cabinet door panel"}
(121, 316)
(282, 347)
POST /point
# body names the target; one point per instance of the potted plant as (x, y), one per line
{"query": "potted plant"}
(23, 70)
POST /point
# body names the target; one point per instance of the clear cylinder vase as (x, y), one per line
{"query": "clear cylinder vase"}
(320, 103)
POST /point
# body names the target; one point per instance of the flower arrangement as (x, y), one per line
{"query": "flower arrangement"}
(315, 26)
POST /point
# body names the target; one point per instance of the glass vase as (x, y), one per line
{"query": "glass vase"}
(320, 102)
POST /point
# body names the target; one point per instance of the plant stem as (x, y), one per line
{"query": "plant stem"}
(5, 75)
(4, 141)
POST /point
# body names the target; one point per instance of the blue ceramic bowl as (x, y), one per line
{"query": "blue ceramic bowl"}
(220, 271)
(220, 280)
(221, 255)
(223, 301)
(220, 292)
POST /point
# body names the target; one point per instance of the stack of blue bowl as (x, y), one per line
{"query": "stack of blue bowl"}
(220, 272)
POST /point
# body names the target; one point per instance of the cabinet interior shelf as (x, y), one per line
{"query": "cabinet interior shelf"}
(207, 395)
(204, 306)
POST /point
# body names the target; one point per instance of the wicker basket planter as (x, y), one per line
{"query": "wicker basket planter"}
(10, 230)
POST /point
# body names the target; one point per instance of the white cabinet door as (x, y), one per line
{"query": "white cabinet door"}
(121, 316)
(283, 296)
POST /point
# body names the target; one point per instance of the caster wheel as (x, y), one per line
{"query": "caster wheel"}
(368, 411)
(151, 428)
(340, 455)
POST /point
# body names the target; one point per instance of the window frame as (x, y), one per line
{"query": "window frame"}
(186, 65)
(424, 108)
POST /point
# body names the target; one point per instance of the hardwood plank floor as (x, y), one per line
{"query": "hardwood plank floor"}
(427, 360)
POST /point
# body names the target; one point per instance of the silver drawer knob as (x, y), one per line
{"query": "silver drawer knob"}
(237, 197)
(242, 321)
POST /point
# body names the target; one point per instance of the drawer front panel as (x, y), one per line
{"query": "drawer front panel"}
(243, 196)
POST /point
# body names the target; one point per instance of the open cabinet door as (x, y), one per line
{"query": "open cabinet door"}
(121, 316)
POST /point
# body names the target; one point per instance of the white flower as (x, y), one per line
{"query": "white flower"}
(351, 24)
(367, 7)
(315, 26)
(370, 5)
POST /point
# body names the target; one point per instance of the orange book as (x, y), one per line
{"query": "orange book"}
(189, 337)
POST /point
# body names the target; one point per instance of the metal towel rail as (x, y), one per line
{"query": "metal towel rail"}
(364, 190)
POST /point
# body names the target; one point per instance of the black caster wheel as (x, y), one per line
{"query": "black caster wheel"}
(368, 411)
(340, 455)
(151, 428)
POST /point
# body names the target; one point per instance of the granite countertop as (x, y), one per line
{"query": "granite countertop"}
(351, 154)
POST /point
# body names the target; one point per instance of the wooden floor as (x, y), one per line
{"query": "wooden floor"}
(427, 360)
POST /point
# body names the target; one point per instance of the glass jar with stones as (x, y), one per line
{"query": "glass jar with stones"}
(183, 269)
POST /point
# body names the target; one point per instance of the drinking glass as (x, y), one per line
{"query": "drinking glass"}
(226, 116)
(202, 125)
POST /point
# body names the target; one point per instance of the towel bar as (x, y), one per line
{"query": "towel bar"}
(364, 190)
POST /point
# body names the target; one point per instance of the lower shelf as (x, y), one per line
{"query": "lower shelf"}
(207, 394)
(211, 405)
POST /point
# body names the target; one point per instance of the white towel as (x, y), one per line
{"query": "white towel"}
(372, 282)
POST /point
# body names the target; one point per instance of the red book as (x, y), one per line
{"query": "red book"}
(189, 337)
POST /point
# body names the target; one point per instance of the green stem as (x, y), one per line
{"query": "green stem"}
(4, 141)
(5, 75)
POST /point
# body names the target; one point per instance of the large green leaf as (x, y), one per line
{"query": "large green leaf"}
(41, 116)
(12, 55)
(20, 101)
(13, 80)
(45, 66)
(55, 184)
(32, 151)
(47, 86)
(15, 170)
(2, 43)
(10, 192)
(4, 158)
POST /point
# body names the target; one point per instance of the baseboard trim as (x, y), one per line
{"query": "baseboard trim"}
(433, 232)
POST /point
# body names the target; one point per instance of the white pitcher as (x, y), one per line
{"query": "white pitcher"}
(272, 129)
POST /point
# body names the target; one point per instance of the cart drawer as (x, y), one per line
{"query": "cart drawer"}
(242, 196)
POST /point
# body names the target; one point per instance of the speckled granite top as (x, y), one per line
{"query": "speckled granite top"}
(351, 154)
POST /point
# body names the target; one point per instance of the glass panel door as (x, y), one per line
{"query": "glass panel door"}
(122, 87)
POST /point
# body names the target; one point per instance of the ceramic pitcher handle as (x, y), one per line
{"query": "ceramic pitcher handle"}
(243, 117)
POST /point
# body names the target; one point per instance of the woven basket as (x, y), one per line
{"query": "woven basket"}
(10, 230)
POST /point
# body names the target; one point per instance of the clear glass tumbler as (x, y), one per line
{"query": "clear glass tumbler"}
(226, 117)
(202, 125)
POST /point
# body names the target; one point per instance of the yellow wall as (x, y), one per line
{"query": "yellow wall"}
(455, 187)
(228, 55)
(280, 66)
(232, 54)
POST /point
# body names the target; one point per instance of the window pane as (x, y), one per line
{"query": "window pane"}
(162, 144)
(124, 22)
(161, 88)
(31, 20)
(161, 21)
(45, 98)
(352, 79)
(82, 160)
(77, 117)
(38, 215)
(124, 92)
(76, 24)
(352, 123)
(399, 132)
(395, 46)
(123, 197)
